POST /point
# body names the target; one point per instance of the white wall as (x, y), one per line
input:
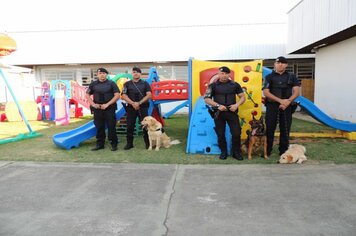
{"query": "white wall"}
(220, 42)
(335, 80)
(313, 20)
(22, 85)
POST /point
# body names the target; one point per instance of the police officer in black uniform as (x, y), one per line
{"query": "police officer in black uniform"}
(221, 95)
(136, 93)
(280, 88)
(103, 105)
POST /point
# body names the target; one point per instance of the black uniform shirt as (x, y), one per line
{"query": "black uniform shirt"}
(281, 85)
(103, 91)
(223, 93)
(136, 90)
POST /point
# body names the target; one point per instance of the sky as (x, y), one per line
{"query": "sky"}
(77, 25)
(45, 15)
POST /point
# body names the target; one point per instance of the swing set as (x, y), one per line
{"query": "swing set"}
(7, 46)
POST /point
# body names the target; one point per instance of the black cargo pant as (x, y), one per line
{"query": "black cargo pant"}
(103, 119)
(275, 115)
(131, 116)
(232, 119)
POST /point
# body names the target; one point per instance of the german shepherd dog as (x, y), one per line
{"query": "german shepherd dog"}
(256, 138)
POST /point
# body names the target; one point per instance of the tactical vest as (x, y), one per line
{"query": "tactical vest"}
(282, 89)
(103, 92)
(225, 93)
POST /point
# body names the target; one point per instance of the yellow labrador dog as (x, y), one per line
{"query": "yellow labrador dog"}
(294, 154)
(156, 134)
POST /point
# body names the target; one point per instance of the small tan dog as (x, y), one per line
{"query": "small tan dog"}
(156, 134)
(294, 154)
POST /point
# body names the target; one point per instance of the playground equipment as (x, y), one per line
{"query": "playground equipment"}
(56, 100)
(169, 91)
(345, 129)
(166, 91)
(73, 138)
(120, 79)
(202, 137)
(201, 134)
(59, 101)
(7, 46)
(43, 100)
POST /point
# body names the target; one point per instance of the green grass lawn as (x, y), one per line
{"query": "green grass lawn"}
(42, 148)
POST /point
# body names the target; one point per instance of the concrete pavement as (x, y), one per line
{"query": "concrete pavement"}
(149, 199)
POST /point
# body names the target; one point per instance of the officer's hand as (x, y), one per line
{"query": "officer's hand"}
(285, 102)
(96, 106)
(222, 108)
(233, 107)
(282, 107)
(104, 106)
(136, 106)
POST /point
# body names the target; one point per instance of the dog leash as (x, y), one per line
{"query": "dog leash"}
(139, 111)
(285, 122)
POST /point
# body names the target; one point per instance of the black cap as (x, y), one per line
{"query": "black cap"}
(103, 70)
(224, 69)
(282, 60)
(138, 70)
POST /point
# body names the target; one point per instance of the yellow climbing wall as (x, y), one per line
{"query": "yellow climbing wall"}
(247, 74)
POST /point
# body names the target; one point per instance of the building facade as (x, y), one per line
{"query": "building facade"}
(328, 29)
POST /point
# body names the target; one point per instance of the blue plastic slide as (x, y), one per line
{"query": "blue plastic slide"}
(73, 138)
(202, 138)
(174, 110)
(320, 116)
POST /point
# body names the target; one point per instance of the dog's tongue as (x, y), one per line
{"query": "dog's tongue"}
(254, 132)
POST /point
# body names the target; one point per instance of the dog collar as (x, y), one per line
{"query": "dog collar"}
(160, 129)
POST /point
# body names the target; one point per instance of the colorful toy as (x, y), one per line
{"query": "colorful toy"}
(60, 94)
(43, 100)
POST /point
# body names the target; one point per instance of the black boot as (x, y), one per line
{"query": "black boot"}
(237, 156)
(129, 143)
(98, 147)
(223, 155)
(114, 147)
